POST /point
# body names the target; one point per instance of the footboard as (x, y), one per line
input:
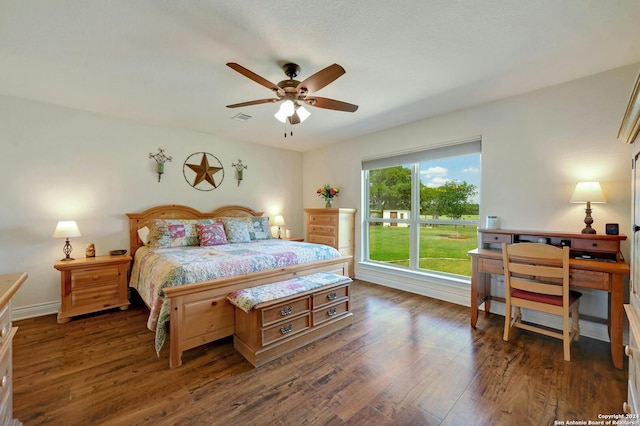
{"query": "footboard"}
(201, 313)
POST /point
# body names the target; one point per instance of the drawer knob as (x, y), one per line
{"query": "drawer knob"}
(332, 295)
(628, 351)
(495, 238)
(96, 277)
(286, 329)
(594, 244)
(286, 311)
(331, 312)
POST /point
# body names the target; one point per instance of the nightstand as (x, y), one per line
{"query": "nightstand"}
(92, 284)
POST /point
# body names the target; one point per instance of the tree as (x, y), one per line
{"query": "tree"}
(390, 188)
(453, 198)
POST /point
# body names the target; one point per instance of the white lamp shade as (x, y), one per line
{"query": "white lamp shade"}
(588, 192)
(66, 229)
(278, 220)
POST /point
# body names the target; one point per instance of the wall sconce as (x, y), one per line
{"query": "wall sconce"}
(160, 160)
(66, 229)
(279, 221)
(588, 192)
(239, 170)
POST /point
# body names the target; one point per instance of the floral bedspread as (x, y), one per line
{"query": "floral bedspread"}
(248, 298)
(156, 269)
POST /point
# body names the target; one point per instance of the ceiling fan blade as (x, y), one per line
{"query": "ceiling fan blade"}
(320, 79)
(255, 77)
(256, 102)
(331, 104)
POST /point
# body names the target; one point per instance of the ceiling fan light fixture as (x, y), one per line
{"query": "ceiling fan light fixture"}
(281, 116)
(288, 108)
(302, 113)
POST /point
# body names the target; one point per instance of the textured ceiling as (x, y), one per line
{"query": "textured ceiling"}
(163, 61)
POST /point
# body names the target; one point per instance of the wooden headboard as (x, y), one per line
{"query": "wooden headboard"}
(176, 211)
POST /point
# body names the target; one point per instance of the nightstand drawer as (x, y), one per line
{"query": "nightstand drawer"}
(104, 295)
(94, 276)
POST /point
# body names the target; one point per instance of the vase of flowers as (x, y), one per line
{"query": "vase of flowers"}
(327, 192)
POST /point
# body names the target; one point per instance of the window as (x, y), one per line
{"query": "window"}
(422, 209)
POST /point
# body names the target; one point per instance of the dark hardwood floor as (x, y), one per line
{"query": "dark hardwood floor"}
(406, 360)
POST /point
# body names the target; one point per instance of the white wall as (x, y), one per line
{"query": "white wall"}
(535, 147)
(58, 163)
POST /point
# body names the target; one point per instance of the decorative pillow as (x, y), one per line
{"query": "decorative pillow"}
(237, 229)
(143, 234)
(165, 233)
(211, 234)
(260, 228)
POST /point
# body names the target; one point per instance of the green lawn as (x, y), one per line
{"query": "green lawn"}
(442, 248)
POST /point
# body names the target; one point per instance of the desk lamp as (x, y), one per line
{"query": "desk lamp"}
(66, 229)
(279, 221)
(588, 192)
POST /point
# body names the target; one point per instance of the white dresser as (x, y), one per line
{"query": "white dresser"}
(9, 284)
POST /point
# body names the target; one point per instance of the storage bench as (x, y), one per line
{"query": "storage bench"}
(274, 319)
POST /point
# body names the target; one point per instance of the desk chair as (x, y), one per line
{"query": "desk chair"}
(536, 277)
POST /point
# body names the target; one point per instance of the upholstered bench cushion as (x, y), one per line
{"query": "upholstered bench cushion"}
(248, 298)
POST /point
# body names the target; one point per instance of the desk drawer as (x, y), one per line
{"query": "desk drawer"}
(595, 246)
(590, 279)
(488, 238)
(491, 266)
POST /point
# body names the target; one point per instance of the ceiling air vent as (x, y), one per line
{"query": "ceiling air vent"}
(241, 117)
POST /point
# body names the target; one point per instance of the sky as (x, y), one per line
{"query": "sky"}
(462, 169)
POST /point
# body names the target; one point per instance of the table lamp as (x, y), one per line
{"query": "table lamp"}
(66, 229)
(279, 221)
(588, 192)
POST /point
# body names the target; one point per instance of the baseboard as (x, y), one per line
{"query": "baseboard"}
(34, 311)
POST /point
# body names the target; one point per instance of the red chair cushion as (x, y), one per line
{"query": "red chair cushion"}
(545, 298)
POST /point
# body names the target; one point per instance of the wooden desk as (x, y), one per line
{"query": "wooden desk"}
(594, 274)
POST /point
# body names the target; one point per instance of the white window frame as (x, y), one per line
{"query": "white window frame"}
(413, 158)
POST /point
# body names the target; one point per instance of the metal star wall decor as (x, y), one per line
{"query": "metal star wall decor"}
(205, 171)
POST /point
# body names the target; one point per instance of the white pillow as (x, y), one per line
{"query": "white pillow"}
(143, 234)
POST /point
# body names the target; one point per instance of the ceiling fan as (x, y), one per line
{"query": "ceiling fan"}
(294, 92)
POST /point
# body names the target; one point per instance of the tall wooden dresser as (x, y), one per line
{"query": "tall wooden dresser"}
(333, 227)
(629, 134)
(9, 284)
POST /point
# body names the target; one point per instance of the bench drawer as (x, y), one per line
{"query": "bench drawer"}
(285, 329)
(330, 312)
(288, 309)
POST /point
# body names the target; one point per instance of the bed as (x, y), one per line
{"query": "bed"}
(195, 305)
